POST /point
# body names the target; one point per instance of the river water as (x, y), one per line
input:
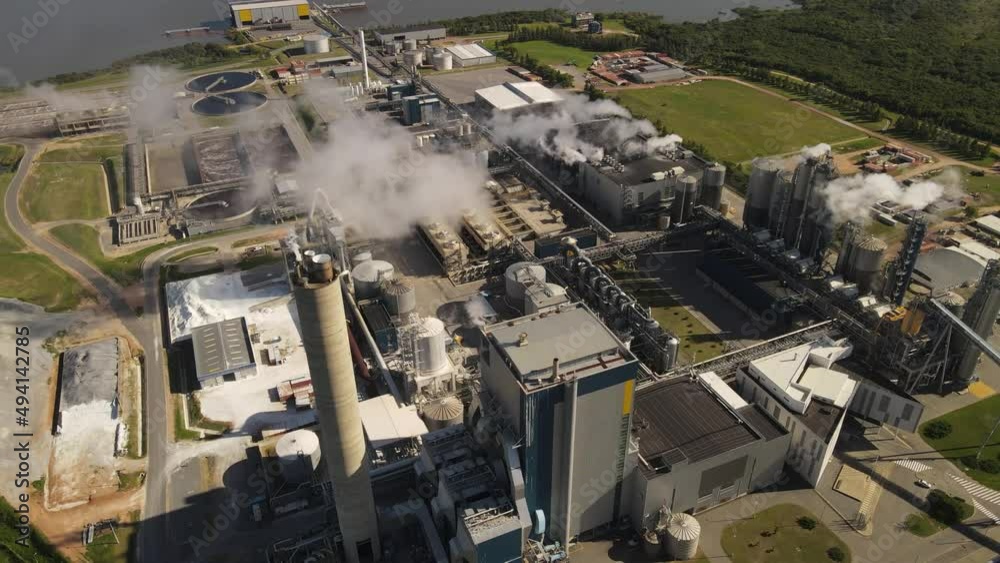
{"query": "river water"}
(46, 37)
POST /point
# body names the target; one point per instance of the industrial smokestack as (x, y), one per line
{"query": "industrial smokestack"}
(320, 303)
(364, 57)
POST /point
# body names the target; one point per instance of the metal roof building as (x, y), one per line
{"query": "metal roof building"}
(222, 349)
(514, 95)
(249, 13)
(471, 54)
(416, 33)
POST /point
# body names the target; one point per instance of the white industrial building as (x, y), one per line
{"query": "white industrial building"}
(250, 13)
(515, 96)
(471, 54)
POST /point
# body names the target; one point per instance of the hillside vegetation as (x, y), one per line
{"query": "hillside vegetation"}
(932, 59)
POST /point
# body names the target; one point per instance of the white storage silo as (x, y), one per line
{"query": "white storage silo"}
(683, 534)
(316, 43)
(517, 276)
(399, 297)
(368, 275)
(298, 453)
(410, 44)
(412, 58)
(443, 412)
(432, 352)
(361, 257)
(442, 60)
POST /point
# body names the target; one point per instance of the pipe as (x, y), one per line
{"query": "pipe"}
(359, 360)
(364, 57)
(383, 368)
(571, 390)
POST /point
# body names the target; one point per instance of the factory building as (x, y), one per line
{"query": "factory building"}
(133, 228)
(564, 385)
(92, 121)
(700, 444)
(620, 191)
(470, 54)
(416, 33)
(422, 108)
(253, 13)
(655, 73)
(222, 350)
(800, 391)
(515, 96)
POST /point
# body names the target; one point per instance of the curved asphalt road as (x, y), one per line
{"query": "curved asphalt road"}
(146, 329)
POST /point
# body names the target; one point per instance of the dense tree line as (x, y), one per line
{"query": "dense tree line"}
(502, 21)
(188, 55)
(935, 60)
(563, 36)
(548, 74)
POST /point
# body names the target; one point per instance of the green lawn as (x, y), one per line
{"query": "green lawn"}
(85, 149)
(38, 549)
(555, 55)
(922, 525)
(734, 122)
(10, 155)
(987, 186)
(970, 426)
(698, 343)
(32, 278)
(106, 550)
(192, 252)
(84, 240)
(857, 145)
(55, 192)
(743, 542)
(616, 25)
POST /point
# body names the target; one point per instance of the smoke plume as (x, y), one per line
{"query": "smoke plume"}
(556, 133)
(851, 198)
(815, 151)
(383, 186)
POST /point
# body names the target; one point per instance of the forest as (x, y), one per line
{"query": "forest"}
(936, 61)
(502, 21)
(185, 56)
(563, 36)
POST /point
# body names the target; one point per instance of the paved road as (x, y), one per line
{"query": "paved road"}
(145, 330)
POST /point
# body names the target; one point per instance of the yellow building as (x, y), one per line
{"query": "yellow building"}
(249, 13)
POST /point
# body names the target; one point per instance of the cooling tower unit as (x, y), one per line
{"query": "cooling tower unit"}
(316, 44)
(399, 297)
(320, 304)
(517, 277)
(444, 412)
(758, 202)
(711, 186)
(298, 452)
(685, 197)
(431, 346)
(367, 276)
(683, 534)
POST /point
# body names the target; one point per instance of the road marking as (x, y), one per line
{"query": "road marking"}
(978, 491)
(912, 465)
(985, 512)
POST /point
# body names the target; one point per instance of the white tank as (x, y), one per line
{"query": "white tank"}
(442, 60)
(399, 297)
(432, 352)
(368, 275)
(683, 534)
(315, 44)
(413, 58)
(361, 257)
(410, 44)
(517, 276)
(298, 453)
(443, 412)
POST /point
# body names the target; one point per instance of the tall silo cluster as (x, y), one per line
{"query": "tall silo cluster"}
(980, 314)
(320, 304)
(860, 258)
(711, 186)
(685, 198)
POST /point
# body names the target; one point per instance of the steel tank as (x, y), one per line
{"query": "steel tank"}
(368, 275)
(398, 296)
(802, 185)
(757, 207)
(431, 345)
(865, 263)
(443, 412)
(712, 183)
(683, 534)
(298, 452)
(685, 197)
(413, 58)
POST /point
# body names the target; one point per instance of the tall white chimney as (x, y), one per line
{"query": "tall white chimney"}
(364, 57)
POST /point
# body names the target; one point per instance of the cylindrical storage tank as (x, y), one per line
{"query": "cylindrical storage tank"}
(413, 58)
(953, 302)
(758, 202)
(442, 60)
(410, 44)
(316, 43)
(517, 276)
(298, 452)
(361, 257)
(368, 275)
(682, 535)
(444, 412)
(711, 186)
(866, 263)
(399, 297)
(432, 352)
(663, 221)
(685, 196)
(651, 545)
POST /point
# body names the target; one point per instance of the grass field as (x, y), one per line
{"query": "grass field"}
(922, 525)
(84, 240)
(10, 155)
(555, 55)
(616, 25)
(38, 549)
(87, 149)
(857, 145)
(32, 278)
(192, 252)
(54, 192)
(698, 343)
(106, 550)
(987, 186)
(970, 426)
(743, 542)
(734, 122)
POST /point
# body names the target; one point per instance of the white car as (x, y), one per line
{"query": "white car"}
(925, 484)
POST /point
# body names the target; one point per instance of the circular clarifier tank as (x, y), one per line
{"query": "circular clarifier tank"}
(229, 103)
(222, 206)
(219, 82)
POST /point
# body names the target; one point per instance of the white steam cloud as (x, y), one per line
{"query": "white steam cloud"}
(851, 198)
(383, 186)
(556, 133)
(815, 151)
